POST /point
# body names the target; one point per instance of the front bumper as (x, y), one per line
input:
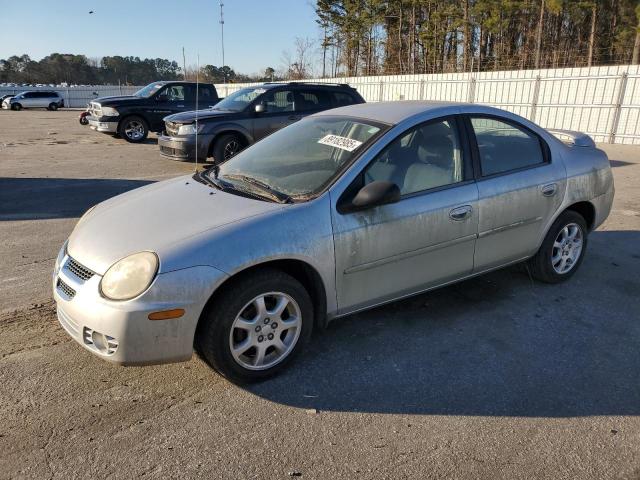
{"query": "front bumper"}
(121, 332)
(184, 148)
(100, 125)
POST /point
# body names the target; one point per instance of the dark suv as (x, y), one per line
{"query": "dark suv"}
(246, 116)
(133, 116)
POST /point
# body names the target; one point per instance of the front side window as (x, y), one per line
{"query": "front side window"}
(504, 146)
(425, 157)
(175, 93)
(302, 159)
(279, 101)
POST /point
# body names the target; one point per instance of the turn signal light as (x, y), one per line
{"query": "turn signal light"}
(167, 314)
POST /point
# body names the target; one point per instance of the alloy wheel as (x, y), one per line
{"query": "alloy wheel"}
(265, 331)
(231, 148)
(567, 248)
(134, 130)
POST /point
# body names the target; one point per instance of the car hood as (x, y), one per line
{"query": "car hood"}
(154, 218)
(118, 100)
(207, 114)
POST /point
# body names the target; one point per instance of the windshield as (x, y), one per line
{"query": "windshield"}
(149, 90)
(300, 160)
(238, 101)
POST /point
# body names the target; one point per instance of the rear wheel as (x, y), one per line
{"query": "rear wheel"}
(133, 129)
(16, 106)
(256, 327)
(226, 147)
(53, 106)
(562, 250)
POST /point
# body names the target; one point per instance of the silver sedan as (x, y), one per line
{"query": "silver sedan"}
(342, 211)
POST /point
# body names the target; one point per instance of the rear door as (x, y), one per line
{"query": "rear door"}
(279, 112)
(520, 188)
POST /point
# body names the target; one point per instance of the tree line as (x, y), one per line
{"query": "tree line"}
(78, 69)
(369, 37)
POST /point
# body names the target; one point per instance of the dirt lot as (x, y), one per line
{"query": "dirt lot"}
(496, 377)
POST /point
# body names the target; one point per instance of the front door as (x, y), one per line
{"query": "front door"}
(279, 112)
(520, 188)
(425, 239)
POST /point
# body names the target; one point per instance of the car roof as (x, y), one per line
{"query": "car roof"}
(398, 111)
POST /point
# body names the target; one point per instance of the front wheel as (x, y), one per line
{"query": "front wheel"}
(16, 106)
(133, 129)
(226, 147)
(562, 250)
(256, 326)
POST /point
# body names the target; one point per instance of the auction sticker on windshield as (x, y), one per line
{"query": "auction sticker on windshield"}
(348, 144)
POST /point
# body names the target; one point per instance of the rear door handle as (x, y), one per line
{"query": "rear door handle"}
(549, 190)
(461, 213)
(294, 117)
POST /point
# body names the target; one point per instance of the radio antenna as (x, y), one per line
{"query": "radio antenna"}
(197, 97)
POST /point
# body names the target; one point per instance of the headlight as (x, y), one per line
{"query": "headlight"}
(189, 129)
(60, 257)
(109, 112)
(129, 277)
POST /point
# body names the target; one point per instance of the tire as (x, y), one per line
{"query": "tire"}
(83, 121)
(226, 147)
(221, 326)
(16, 106)
(133, 129)
(53, 107)
(562, 250)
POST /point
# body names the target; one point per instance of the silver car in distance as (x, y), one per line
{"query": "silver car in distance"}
(339, 212)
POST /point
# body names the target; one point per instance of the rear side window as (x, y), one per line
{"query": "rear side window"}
(504, 146)
(312, 100)
(341, 98)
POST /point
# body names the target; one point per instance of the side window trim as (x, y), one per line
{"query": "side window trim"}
(475, 150)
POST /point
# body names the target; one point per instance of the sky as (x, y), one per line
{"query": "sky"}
(255, 31)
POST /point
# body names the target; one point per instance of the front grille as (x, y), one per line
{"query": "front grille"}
(82, 272)
(172, 128)
(66, 289)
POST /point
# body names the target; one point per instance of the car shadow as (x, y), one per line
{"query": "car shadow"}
(620, 163)
(44, 198)
(500, 344)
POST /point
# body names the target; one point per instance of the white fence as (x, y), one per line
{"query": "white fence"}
(601, 101)
(76, 96)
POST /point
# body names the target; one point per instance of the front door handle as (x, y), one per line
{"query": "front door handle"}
(461, 213)
(549, 190)
(294, 117)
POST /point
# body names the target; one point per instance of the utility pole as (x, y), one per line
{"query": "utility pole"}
(224, 74)
(184, 64)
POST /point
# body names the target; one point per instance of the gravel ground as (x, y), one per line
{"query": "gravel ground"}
(496, 377)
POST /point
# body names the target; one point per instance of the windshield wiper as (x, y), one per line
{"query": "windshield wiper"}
(271, 192)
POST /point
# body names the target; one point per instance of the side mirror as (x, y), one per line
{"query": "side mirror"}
(374, 194)
(162, 98)
(260, 108)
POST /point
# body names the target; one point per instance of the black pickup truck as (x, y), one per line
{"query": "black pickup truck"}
(133, 116)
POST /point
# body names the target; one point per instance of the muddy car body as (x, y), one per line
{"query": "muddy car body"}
(342, 211)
